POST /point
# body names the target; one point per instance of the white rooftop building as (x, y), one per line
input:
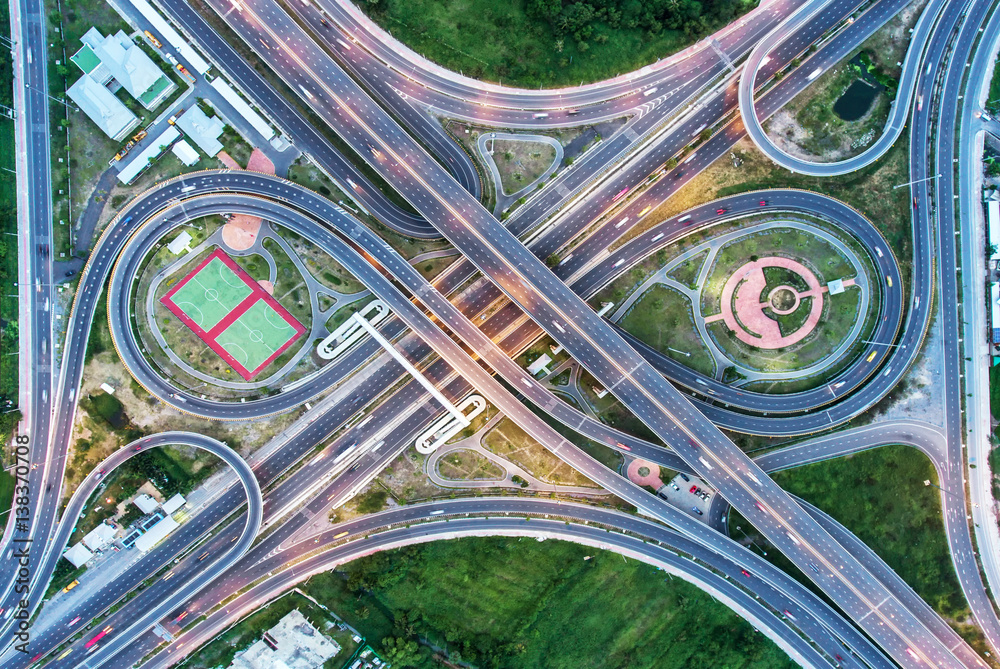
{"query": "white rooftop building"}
(295, 644)
(539, 364)
(156, 534)
(99, 537)
(185, 152)
(202, 129)
(103, 108)
(242, 108)
(146, 503)
(180, 243)
(993, 225)
(78, 555)
(124, 61)
(174, 503)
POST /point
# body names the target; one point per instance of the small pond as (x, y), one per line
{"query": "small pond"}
(856, 100)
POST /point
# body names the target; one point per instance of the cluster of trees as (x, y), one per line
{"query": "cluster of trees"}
(577, 20)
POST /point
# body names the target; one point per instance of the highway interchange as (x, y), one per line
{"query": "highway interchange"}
(534, 300)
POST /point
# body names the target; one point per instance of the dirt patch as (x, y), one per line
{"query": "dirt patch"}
(465, 465)
(94, 439)
(520, 162)
(511, 442)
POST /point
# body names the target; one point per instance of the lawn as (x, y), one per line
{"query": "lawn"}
(880, 496)
(839, 312)
(320, 264)
(9, 371)
(289, 287)
(687, 272)
(663, 318)
(531, 43)
(869, 190)
(815, 253)
(7, 481)
(505, 603)
(611, 411)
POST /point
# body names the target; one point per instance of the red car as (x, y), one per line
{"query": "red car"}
(138, 448)
(720, 212)
(693, 489)
(763, 203)
(623, 446)
(745, 573)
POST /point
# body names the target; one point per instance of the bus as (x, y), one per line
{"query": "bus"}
(341, 535)
(97, 637)
(71, 586)
(620, 194)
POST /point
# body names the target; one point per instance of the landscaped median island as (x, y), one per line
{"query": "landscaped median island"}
(880, 496)
(233, 305)
(842, 112)
(776, 303)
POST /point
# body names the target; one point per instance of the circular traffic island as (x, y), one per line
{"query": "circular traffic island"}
(773, 305)
(787, 304)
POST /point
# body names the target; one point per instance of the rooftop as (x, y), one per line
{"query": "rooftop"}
(122, 59)
(102, 107)
(202, 129)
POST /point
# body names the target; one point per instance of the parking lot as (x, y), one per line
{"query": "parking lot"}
(678, 492)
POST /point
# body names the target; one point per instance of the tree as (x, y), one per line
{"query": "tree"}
(552, 260)
(401, 652)
(705, 135)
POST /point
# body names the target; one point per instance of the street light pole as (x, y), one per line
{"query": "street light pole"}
(928, 483)
(916, 181)
(882, 343)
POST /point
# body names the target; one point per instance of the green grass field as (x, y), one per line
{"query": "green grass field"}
(509, 604)
(880, 496)
(211, 294)
(663, 318)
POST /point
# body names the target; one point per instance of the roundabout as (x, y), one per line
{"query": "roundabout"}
(781, 301)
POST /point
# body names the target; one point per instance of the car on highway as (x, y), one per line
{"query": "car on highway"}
(623, 446)
(101, 472)
(720, 211)
(745, 573)
(763, 203)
